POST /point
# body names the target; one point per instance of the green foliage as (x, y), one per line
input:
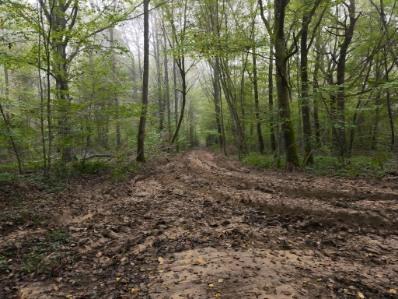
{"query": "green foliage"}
(357, 166)
(31, 262)
(90, 167)
(6, 177)
(57, 237)
(23, 216)
(122, 167)
(3, 264)
(260, 161)
(105, 84)
(121, 171)
(43, 257)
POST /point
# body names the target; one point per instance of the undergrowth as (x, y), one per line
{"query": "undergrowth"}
(116, 170)
(45, 256)
(357, 166)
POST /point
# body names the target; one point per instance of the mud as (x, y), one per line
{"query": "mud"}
(202, 226)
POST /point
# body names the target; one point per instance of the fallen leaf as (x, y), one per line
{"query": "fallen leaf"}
(211, 285)
(124, 259)
(199, 261)
(134, 290)
(393, 291)
(161, 260)
(360, 295)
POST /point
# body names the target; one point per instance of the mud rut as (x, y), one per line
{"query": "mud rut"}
(202, 226)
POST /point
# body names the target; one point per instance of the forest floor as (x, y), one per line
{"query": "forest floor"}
(199, 225)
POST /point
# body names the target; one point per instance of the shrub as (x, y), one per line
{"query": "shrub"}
(91, 167)
(260, 161)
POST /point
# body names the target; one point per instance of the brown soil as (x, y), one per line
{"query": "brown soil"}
(202, 226)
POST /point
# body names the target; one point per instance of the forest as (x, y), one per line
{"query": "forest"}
(198, 149)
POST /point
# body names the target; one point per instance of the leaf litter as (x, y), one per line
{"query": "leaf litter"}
(202, 226)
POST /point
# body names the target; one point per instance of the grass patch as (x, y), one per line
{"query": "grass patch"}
(3, 264)
(22, 217)
(45, 256)
(261, 161)
(57, 237)
(7, 177)
(357, 166)
(91, 167)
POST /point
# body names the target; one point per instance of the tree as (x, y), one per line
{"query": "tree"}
(179, 40)
(282, 55)
(305, 105)
(145, 87)
(261, 146)
(338, 106)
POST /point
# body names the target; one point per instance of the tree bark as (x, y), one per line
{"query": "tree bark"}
(271, 101)
(389, 104)
(305, 107)
(184, 99)
(145, 88)
(281, 58)
(114, 79)
(166, 82)
(340, 134)
(315, 97)
(261, 146)
(176, 100)
(59, 41)
(41, 94)
(230, 97)
(217, 105)
(7, 123)
(161, 102)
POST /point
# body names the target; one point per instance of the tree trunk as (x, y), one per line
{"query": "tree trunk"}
(116, 100)
(59, 42)
(388, 100)
(242, 94)
(375, 129)
(271, 101)
(41, 95)
(166, 83)
(315, 97)
(7, 122)
(230, 97)
(161, 104)
(357, 112)
(282, 85)
(214, 26)
(145, 87)
(340, 136)
(261, 146)
(176, 100)
(47, 41)
(305, 107)
(184, 100)
(391, 120)
(217, 104)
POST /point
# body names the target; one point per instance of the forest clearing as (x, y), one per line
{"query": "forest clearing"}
(202, 226)
(191, 149)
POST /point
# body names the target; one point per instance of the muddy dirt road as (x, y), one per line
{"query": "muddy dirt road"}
(201, 226)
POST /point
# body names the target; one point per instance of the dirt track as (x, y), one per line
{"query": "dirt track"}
(202, 226)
